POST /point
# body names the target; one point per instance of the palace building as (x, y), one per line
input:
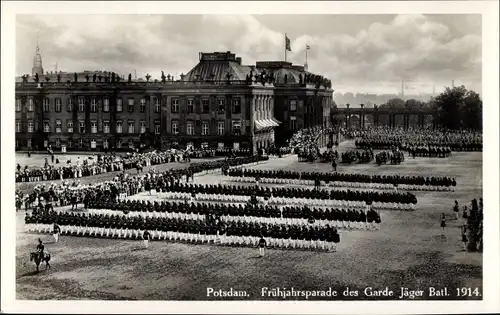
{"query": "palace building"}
(220, 103)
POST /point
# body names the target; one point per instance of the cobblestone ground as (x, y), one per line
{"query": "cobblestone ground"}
(408, 250)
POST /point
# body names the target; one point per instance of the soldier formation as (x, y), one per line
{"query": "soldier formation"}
(428, 142)
(345, 177)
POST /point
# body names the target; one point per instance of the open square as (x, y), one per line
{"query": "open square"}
(407, 251)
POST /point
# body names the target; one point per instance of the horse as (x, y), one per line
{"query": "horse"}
(36, 257)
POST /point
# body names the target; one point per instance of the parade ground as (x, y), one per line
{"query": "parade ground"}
(407, 251)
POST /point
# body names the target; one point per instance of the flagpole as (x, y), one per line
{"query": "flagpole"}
(285, 47)
(306, 54)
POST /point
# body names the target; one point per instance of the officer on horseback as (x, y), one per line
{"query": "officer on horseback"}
(40, 249)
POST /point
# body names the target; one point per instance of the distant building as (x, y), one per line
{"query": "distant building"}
(220, 103)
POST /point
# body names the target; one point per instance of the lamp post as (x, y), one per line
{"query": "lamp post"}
(362, 117)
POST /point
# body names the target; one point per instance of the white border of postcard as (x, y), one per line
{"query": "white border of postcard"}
(490, 36)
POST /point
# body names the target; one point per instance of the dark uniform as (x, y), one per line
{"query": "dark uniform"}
(56, 231)
(40, 249)
(262, 246)
(146, 235)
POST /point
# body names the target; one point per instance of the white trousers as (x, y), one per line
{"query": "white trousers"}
(261, 251)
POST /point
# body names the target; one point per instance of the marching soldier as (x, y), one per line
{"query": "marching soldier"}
(56, 231)
(145, 236)
(262, 246)
(456, 209)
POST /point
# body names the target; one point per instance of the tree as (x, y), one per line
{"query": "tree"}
(414, 104)
(394, 103)
(472, 112)
(459, 108)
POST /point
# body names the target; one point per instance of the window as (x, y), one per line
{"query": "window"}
(142, 107)
(69, 126)
(131, 105)
(81, 127)
(189, 146)
(204, 128)
(93, 105)
(119, 105)
(190, 106)
(175, 105)
(236, 127)
(157, 105)
(106, 126)
(220, 128)
(80, 143)
(119, 143)
(236, 146)
(81, 104)
(58, 105)
(119, 127)
(221, 105)
(30, 126)
(58, 125)
(17, 144)
(93, 144)
(28, 143)
(46, 126)
(131, 127)
(190, 128)
(93, 127)
(157, 129)
(293, 105)
(293, 122)
(130, 144)
(18, 126)
(220, 145)
(205, 106)
(58, 143)
(236, 106)
(175, 127)
(46, 105)
(105, 144)
(70, 105)
(18, 104)
(204, 145)
(30, 104)
(70, 143)
(105, 107)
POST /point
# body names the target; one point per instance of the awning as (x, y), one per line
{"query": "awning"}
(266, 124)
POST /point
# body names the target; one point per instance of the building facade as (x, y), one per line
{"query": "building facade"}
(220, 103)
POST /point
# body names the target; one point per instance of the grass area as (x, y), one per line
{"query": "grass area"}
(407, 251)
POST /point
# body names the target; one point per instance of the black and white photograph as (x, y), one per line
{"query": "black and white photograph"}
(228, 156)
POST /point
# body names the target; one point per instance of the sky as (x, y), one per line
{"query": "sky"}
(359, 53)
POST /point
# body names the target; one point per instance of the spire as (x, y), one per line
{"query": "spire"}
(37, 61)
